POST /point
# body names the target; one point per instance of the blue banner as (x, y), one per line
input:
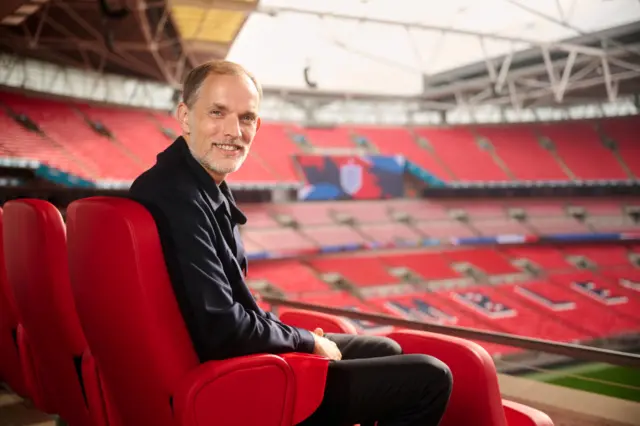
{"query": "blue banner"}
(351, 177)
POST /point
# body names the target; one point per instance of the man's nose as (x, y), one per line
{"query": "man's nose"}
(232, 126)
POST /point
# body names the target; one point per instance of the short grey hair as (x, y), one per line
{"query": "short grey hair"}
(196, 77)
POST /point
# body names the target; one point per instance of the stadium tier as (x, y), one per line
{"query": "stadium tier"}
(560, 301)
(459, 267)
(516, 145)
(109, 143)
(345, 225)
(460, 151)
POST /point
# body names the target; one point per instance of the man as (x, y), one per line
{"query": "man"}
(368, 379)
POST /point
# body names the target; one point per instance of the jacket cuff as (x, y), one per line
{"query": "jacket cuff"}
(307, 343)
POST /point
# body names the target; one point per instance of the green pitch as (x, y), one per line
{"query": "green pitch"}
(620, 380)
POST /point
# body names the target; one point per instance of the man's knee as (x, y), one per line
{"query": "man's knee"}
(361, 346)
(379, 346)
(433, 372)
(388, 347)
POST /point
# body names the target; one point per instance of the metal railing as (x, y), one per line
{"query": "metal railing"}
(580, 352)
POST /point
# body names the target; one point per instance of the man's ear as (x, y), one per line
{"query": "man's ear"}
(258, 123)
(183, 118)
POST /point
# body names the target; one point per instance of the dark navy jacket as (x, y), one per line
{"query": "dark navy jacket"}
(197, 222)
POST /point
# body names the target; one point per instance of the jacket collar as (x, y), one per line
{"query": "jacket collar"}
(217, 193)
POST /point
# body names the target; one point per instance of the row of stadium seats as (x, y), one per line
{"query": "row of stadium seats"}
(307, 226)
(560, 303)
(331, 237)
(116, 299)
(327, 213)
(102, 142)
(464, 265)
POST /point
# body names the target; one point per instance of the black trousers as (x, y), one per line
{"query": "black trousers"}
(374, 382)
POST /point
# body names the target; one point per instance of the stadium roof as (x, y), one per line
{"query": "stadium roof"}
(446, 54)
(386, 46)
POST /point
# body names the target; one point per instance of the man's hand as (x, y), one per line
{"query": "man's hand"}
(325, 347)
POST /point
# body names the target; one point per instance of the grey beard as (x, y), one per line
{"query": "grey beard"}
(211, 167)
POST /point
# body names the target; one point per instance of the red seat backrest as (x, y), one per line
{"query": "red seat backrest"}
(475, 398)
(10, 365)
(36, 261)
(127, 307)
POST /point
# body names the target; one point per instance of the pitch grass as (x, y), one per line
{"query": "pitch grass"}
(612, 375)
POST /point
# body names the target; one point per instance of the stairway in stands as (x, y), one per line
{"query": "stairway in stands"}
(612, 146)
(426, 146)
(548, 145)
(485, 144)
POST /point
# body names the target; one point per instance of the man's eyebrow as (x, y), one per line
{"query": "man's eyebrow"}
(223, 108)
(218, 106)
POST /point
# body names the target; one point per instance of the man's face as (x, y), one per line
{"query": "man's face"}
(222, 123)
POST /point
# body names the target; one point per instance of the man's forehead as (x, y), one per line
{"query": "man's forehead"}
(232, 91)
(237, 83)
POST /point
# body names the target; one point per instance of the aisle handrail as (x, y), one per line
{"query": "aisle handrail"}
(585, 353)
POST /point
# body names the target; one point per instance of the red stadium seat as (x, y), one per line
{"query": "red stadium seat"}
(522, 415)
(10, 365)
(312, 320)
(475, 399)
(476, 395)
(135, 330)
(36, 261)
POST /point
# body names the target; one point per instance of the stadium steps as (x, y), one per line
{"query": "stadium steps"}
(369, 145)
(299, 140)
(357, 228)
(464, 218)
(433, 154)
(301, 231)
(411, 225)
(589, 225)
(267, 166)
(90, 172)
(544, 312)
(527, 225)
(15, 411)
(469, 224)
(165, 123)
(611, 145)
(61, 149)
(409, 221)
(113, 140)
(484, 144)
(548, 145)
(623, 164)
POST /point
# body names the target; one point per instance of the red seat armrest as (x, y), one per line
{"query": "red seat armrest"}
(311, 320)
(310, 373)
(522, 415)
(249, 390)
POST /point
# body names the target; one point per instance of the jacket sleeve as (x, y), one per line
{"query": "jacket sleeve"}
(220, 327)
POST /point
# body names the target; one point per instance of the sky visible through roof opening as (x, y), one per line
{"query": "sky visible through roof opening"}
(354, 55)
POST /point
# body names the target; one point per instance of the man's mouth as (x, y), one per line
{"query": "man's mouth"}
(227, 147)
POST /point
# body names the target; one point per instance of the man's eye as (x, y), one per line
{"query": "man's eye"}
(215, 112)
